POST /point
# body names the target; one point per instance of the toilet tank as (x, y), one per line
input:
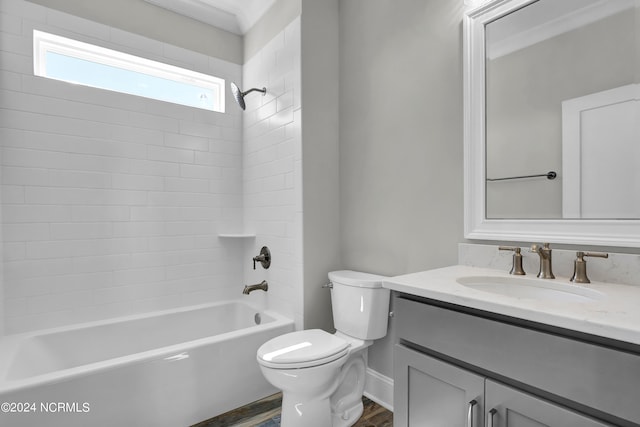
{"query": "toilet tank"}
(360, 304)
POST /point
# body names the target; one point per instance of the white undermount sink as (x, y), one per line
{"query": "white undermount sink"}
(537, 289)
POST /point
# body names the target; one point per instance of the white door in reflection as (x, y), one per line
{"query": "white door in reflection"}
(601, 154)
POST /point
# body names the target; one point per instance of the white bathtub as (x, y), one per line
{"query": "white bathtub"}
(172, 368)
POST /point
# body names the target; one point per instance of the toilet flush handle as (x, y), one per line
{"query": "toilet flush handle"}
(328, 285)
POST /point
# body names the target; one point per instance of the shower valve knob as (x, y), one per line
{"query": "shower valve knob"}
(264, 258)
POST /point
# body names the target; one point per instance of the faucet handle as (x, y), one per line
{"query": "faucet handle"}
(580, 266)
(264, 258)
(516, 267)
(538, 248)
(595, 254)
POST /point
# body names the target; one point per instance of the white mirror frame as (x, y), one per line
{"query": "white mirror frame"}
(623, 233)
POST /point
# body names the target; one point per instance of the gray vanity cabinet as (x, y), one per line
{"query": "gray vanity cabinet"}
(514, 408)
(456, 367)
(429, 392)
(432, 393)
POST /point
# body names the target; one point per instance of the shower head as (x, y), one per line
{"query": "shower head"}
(239, 94)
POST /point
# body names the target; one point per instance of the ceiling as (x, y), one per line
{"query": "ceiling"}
(236, 16)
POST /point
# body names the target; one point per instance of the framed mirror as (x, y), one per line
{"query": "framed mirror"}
(552, 121)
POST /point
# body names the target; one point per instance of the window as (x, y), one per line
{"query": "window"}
(81, 63)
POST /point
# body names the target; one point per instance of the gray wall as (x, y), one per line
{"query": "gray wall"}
(156, 23)
(401, 120)
(400, 134)
(320, 151)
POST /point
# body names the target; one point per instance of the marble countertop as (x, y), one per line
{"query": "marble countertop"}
(616, 316)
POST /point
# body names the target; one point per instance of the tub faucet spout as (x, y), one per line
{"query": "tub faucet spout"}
(250, 288)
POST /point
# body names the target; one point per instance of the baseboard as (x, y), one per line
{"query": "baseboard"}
(379, 388)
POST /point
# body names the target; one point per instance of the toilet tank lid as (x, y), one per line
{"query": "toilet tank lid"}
(356, 278)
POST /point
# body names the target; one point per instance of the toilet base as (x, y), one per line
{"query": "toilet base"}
(317, 413)
(339, 405)
(346, 401)
(299, 413)
(349, 417)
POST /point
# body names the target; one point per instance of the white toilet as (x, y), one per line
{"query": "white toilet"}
(322, 375)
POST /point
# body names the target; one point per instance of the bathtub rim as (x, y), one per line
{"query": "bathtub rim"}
(11, 344)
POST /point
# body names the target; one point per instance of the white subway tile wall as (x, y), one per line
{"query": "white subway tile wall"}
(272, 171)
(111, 204)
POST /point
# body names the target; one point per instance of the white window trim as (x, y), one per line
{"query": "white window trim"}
(45, 42)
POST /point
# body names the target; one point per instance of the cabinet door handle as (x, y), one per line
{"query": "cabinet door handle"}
(490, 417)
(472, 404)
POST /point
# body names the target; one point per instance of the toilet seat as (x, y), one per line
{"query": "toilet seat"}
(302, 349)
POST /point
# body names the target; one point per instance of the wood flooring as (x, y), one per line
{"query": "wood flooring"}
(266, 413)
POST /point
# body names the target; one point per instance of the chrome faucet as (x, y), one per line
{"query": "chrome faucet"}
(250, 288)
(545, 271)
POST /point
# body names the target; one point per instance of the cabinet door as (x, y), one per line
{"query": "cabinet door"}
(431, 393)
(515, 408)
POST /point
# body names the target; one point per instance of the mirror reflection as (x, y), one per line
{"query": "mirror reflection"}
(563, 96)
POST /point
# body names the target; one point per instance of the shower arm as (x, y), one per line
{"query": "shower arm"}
(255, 89)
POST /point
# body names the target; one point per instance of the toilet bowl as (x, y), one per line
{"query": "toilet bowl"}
(322, 375)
